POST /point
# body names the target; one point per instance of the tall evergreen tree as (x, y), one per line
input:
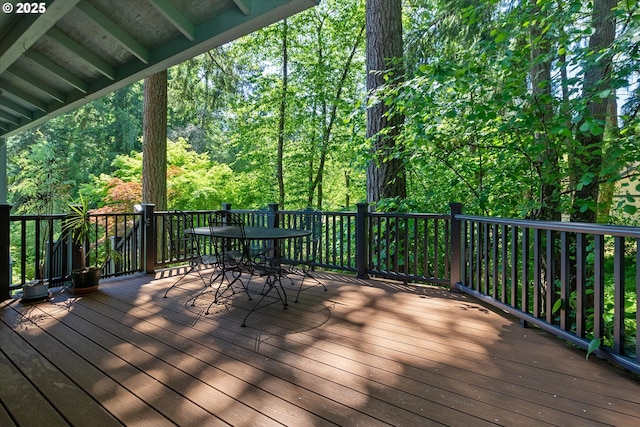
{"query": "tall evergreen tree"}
(386, 172)
(154, 157)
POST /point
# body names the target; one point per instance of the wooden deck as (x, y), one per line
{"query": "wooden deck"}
(365, 353)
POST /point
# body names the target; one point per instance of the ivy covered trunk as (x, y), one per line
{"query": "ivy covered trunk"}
(597, 92)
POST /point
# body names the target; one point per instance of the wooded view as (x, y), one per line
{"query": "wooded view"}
(515, 108)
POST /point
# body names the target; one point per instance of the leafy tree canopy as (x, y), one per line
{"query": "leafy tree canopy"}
(497, 105)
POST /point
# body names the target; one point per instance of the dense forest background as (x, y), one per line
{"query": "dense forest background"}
(497, 100)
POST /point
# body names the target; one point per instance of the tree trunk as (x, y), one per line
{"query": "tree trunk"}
(548, 162)
(386, 171)
(608, 187)
(597, 78)
(154, 141)
(281, 123)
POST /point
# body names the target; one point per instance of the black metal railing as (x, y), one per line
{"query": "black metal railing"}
(411, 247)
(122, 232)
(578, 281)
(37, 251)
(41, 249)
(408, 247)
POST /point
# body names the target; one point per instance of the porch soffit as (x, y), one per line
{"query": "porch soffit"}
(69, 52)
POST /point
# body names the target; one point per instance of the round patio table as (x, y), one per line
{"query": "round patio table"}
(250, 233)
(256, 233)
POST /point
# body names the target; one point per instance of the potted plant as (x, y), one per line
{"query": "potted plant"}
(85, 278)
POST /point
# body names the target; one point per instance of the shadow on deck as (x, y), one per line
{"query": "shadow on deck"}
(367, 352)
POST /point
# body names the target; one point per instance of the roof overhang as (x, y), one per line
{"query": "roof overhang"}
(70, 52)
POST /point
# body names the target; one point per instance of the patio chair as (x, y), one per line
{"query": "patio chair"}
(232, 253)
(183, 245)
(265, 262)
(305, 249)
(261, 249)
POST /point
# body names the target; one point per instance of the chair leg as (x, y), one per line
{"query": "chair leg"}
(202, 292)
(236, 272)
(305, 274)
(193, 267)
(272, 282)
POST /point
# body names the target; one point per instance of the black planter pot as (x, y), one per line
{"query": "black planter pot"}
(85, 280)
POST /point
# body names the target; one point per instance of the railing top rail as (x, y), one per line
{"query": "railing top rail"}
(409, 215)
(571, 227)
(117, 214)
(33, 217)
(183, 210)
(65, 215)
(333, 213)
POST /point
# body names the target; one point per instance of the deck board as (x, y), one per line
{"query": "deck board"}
(363, 353)
(47, 337)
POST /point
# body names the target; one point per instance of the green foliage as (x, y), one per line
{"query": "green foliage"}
(78, 222)
(49, 164)
(36, 180)
(194, 180)
(475, 126)
(475, 131)
(593, 346)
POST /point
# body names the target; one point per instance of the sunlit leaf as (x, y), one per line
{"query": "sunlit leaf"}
(585, 127)
(604, 93)
(596, 130)
(502, 36)
(593, 346)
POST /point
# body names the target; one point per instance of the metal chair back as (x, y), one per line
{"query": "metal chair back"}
(306, 249)
(227, 249)
(181, 246)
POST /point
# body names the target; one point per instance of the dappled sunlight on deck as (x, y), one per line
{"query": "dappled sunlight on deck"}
(366, 352)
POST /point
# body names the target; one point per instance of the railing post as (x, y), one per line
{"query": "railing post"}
(226, 206)
(149, 238)
(361, 240)
(5, 253)
(455, 277)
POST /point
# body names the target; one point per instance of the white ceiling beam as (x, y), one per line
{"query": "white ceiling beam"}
(35, 83)
(26, 97)
(15, 109)
(9, 118)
